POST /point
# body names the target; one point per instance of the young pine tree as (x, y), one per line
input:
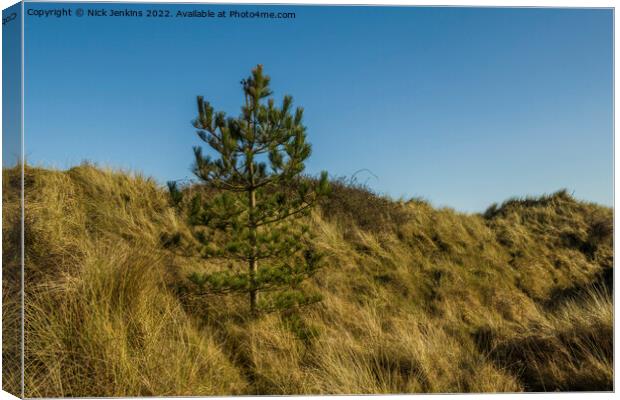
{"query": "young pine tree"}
(253, 214)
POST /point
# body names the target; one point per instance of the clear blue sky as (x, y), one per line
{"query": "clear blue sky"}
(11, 85)
(461, 106)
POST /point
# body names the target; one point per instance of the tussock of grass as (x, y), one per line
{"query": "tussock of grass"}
(416, 299)
(570, 350)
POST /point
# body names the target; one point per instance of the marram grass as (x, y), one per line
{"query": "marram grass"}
(416, 299)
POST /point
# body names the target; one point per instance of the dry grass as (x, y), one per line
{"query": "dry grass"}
(416, 299)
(11, 283)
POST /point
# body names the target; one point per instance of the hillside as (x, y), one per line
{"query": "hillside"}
(416, 299)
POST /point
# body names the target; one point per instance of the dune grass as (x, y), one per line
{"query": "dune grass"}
(416, 299)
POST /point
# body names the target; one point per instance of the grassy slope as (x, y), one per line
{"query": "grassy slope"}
(416, 299)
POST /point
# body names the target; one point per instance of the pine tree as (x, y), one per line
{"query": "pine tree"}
(258, 198)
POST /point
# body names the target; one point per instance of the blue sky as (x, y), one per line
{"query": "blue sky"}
(461, 106)
(11, 85)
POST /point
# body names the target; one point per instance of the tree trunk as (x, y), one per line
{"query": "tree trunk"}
(253, 262)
